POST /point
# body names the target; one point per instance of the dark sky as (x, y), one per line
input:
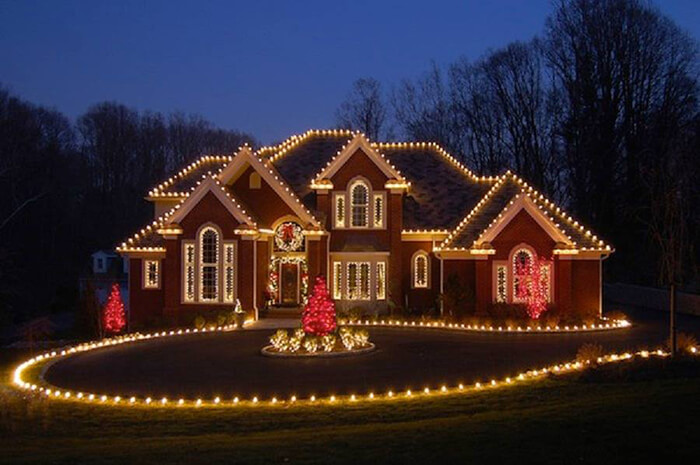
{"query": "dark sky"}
(270, 68)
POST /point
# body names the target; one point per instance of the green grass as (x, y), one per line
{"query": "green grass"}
(558, 420)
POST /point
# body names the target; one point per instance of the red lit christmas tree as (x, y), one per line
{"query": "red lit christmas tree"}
(319, 313)
(532, 287)
(113, 316)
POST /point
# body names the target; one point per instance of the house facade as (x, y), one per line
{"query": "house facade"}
(399, 223)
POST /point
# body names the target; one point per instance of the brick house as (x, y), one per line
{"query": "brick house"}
(381, 221)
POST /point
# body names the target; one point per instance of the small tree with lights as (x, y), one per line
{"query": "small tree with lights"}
(318, 318)
(113, 315)
(531, 288)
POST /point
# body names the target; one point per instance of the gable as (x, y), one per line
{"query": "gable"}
(522, 228)
(267, 204)
(210, 188)
(245, 160)
(209, 209)
(359, 142)
(359, 164)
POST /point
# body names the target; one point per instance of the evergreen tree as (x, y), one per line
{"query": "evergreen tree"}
(319, 313)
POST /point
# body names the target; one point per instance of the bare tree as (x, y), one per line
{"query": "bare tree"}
(364, 109)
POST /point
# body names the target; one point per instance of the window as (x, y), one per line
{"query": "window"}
(339, 210)
(209, 264)
(381, 281)
(358, 281)
(254, 181)
(359, 203)
(545, 281)
(501, 283)
(337, 280)
(151, 274)
(188, 270)
(523, 261)
(420, 269)
(229, 277)
(378, 207)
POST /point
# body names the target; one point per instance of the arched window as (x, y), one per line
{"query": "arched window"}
(359, 203)
(254, 180)
(209, 264)
(420, 269)
(523, 261)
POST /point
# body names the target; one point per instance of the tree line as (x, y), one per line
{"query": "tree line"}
(70, 188)
(600, 112)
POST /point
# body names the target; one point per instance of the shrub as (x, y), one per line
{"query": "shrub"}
(221, 319)
(347, 337)
(355, 313)
(230, 317)
(296, 339)
(361, 337)
(311, 343)
(684, 342)
(199, 322)
(328, 342)
(616, 315)
(589, 353)
(280, 339)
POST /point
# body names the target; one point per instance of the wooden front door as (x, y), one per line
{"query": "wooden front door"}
(289, 284)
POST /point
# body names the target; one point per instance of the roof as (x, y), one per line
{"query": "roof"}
(443, 194)
(496, 203)
(186, 179)
(299, 163)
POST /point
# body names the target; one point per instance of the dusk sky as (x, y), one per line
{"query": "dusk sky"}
(269, 68)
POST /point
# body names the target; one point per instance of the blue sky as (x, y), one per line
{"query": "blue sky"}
(271, 68)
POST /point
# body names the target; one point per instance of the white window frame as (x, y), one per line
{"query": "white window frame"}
(351, 203)
(502, 264)
(381, 197)
(189, 266)
(380, 290)
(414, 270)
(229, 267)
(511, 274)
(337, 280)
(146, 282)
(340, 197)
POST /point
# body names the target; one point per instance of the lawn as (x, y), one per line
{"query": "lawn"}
(556, 420)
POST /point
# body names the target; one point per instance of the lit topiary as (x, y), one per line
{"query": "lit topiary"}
(280, 339)
(328, 342)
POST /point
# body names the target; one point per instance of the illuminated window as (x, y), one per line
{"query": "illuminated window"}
(545, 281)
(229, 276)
(359, 203)
(151, 274)
(501, 283)
(337, 280)
(209, 264)
(358, 281)
(420, 269)
(254, 181)
(188, 260)
(523, 261)
(381, 280)
(339, 211)
(378, 208)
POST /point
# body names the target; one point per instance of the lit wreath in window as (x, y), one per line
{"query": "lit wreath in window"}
(289, 237)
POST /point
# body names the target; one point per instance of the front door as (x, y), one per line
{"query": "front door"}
(289, 286)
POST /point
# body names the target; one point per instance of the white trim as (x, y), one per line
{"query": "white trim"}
(509, 212)
(183, 272)
(216, 264)
(414, 277)
(359, 142)
(210, 185)
(354, 183)
(274, 180)
(145, 284)
(494, 280)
